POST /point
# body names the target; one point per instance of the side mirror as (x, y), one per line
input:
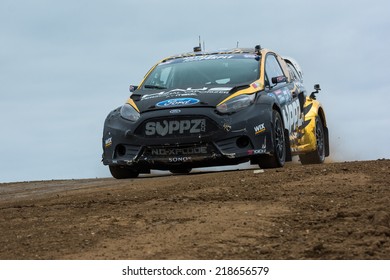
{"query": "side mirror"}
(279, 79)
(133, 88)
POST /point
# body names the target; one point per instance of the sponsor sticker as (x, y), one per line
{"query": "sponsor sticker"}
(263, 149)
(279, 91)
(179, 152)
(206, 57)
(259, 128)
(291, 115)
(180, 159)
(108, 142)
(169, 127)
(186, 93)
(176, 154)
(256, 152)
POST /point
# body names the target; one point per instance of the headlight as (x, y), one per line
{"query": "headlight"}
(129, 113)
(236, 104)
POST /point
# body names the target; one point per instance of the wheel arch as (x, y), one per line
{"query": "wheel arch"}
(318, 111)
(321, 115)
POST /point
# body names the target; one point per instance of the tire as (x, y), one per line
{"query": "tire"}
(180, 171)
(121, 172)
(317, 156)
(278, 157)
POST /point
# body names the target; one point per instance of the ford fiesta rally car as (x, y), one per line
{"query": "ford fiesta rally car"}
(205, 109)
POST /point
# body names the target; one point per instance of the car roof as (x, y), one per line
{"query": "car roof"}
(227, 51)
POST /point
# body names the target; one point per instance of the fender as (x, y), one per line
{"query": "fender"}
(317, 110)
(270, 103)
(313, 108)
(307, 143)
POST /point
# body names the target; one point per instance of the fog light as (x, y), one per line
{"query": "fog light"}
(120, 150)
(243, 142)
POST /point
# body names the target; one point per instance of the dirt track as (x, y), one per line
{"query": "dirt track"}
(330, 211)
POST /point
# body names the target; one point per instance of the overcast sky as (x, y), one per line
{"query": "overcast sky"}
(65, 64)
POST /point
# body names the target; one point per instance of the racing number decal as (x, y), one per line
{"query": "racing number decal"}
(292, 115)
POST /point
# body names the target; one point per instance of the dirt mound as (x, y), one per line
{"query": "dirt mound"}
(330, 211)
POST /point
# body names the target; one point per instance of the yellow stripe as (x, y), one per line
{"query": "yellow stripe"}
(249, 90)
(131, 102)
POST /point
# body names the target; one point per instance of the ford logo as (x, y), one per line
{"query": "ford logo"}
(177, 102)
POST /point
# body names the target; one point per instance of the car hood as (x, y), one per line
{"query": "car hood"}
(147, 99)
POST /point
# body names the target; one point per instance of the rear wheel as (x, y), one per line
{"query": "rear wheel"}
(180, 171)
(317, 156)
(278, 158)
(123, 172)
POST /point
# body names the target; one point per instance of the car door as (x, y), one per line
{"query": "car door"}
(277, 85)
(296, 88)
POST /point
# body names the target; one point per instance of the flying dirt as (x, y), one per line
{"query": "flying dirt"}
(328, 211)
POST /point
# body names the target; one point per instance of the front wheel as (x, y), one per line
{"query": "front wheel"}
(278, 157)
(123, 172)
(318, 155)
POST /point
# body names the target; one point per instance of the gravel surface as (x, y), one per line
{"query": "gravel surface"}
(328, 211)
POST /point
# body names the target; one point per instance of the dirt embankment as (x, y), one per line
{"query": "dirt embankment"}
(330, 211)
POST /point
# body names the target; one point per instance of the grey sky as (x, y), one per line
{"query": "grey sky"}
(65, 64)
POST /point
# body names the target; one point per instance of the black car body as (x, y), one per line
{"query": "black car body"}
(205, 109)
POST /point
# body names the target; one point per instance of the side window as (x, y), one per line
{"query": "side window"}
(293, 72)
(272, 68)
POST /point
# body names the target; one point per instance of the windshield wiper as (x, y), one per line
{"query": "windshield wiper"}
(154, 87)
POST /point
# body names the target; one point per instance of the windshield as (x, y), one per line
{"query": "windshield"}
(226, 70)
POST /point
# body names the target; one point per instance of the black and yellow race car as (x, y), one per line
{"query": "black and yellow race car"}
(204, 109)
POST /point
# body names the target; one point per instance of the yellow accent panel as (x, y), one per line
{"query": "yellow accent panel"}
(248, 91)
(314, 109)
(308, 142)
(262, 67)
(131, 102)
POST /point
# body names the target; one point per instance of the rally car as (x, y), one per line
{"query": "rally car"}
(203, 109)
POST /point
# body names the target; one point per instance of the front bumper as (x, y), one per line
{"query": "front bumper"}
(186, 138)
